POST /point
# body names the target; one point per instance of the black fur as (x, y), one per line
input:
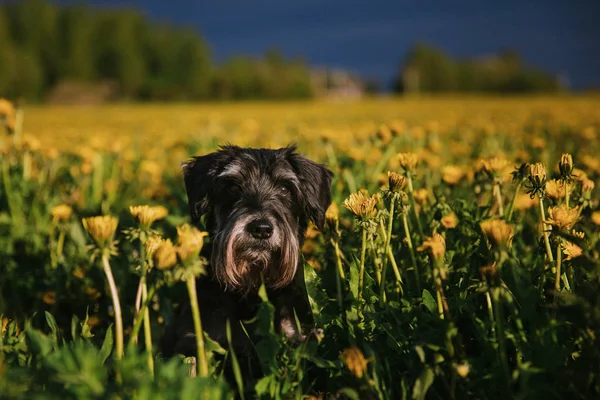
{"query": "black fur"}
(234, 187)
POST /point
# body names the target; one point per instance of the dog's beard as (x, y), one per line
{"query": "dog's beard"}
(242, 263)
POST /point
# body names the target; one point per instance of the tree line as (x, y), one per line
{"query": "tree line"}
(428, 69)
(43, 45)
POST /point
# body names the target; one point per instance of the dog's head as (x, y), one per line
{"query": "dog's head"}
(257, 203)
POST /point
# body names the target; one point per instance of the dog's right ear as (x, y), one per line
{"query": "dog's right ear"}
(199, 175)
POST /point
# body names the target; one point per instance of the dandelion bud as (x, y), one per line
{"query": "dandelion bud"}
(408, 161)
(101, 229)
(396, 181)
(436, 244)
(62, 212)
(565, 165)
(360, 205)
(562, 217)
(497, 232)
(520, 173)
(146, 215)
(165, 256)
(355, 361)
(537, 174)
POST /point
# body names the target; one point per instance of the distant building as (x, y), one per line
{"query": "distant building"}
(336, 83)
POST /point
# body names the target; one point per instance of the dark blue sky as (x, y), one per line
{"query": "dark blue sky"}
(371, 36)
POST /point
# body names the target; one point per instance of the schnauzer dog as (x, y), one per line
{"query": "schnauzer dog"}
(257, 203)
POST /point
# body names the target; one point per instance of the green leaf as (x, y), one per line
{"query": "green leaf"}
(107, 345)
(423, 383)
(54, 328)
(317, 298)
(350, 393)
(429, 301)
(234, 363)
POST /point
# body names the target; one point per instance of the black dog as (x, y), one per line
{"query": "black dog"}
(257, 203)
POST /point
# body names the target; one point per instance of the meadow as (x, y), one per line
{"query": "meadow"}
(460, 258)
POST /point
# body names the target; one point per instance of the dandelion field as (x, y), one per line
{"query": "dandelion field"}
(460, 258)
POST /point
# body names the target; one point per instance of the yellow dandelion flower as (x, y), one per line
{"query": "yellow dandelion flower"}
(523, 202)
(49, 297)
(152, 244)
(384, 133)
(452, 174)
(333, 213)
(498, 232)
(579, 174)
(396, 181)
(562, 217)
(190, 241)
(570, 250)
(61, 212)
(408, 161)
(596, 217)
(450, 221)
(101, 229)
(421, 195)
(587, 185)
(355, 361)
(578, 234)
(146, 215)
(463, 370)
(361, 205)
(555, 189)
(165, 256)
(7, 114)
(79, 273)
(436, 244)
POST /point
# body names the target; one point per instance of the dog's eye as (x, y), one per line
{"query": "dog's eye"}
(284, 189)
(233, 189)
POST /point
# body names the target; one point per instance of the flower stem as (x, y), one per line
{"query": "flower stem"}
(512, 202)
(116, 305)
(340, 272)
(566, 193)
(413, 203)
(147, 329)
(201, 362)
(137, 325)
(558, 270)
(146, 314)
(411, 250)
(546, 234)
(500, 333)
(498, 195)
(361, 271)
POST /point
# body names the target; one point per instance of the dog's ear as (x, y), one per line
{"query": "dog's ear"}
(199, 175)
(315, 186)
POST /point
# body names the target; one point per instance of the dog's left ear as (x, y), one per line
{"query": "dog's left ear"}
(315, 186)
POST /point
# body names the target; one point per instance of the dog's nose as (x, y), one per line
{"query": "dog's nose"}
(260, 228)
